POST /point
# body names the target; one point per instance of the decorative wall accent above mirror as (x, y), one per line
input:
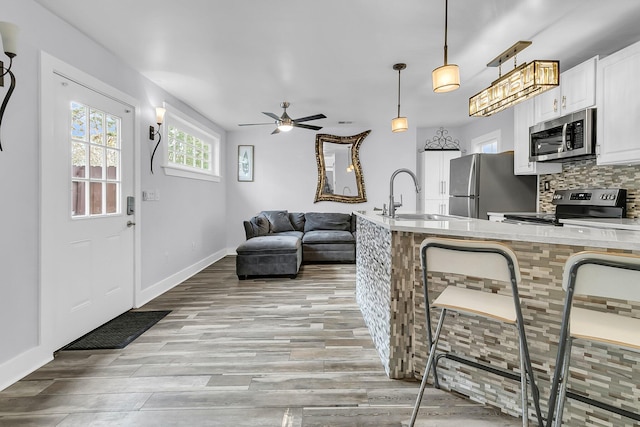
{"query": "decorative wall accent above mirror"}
(339, 171)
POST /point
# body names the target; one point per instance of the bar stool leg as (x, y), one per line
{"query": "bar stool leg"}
(523, 384)
(563, 385)
(432, 353)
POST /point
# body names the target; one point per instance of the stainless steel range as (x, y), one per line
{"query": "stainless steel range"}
(578, 203)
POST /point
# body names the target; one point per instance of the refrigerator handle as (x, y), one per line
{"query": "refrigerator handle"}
(472, 171)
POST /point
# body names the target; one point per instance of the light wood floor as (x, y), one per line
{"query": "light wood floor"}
(268, 352)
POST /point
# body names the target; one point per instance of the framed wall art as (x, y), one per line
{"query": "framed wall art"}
(245, 163)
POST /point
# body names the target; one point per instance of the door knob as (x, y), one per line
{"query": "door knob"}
(130, 223)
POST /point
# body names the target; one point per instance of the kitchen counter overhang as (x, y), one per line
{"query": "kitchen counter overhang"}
(389, 293)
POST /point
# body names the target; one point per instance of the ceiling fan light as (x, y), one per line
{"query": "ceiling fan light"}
(286, 124)
(446, 78)
(399, 124)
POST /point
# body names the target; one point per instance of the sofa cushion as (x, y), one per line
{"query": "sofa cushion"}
(326, 221)
(269, 245)
(297, 220)
(327, 236)
(296, 234)
(278, 220)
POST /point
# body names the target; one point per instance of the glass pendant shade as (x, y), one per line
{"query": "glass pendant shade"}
(160, 115)
(399, 124)
(9, 34)
(446, 78)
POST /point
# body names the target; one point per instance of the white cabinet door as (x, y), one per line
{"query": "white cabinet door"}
(578, 87)
(577, 91)
(435, 183)
(619, 107)
(523, 118)
(447, 156)
(547, 105)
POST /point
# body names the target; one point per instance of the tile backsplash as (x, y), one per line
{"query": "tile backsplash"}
(585, 173)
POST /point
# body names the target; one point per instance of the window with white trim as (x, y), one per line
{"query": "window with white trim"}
(487, 143)
(190, 149)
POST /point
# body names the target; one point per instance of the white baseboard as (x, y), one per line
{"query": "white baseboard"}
(147, 294)
(22, 365)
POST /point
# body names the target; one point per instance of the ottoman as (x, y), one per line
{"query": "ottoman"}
(269, 255)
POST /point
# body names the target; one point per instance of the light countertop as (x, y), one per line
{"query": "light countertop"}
(614, 223)
(469, 227)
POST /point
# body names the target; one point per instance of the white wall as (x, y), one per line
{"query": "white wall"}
(189, 212)
(286, 173)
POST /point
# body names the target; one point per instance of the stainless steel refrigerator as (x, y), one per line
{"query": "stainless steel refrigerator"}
(481, 183)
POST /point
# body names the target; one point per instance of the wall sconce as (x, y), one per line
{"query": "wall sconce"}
(399, 124)
(9, 34)
(447, 77)
(152, 132)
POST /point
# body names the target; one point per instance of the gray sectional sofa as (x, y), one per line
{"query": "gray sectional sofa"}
(278, 242)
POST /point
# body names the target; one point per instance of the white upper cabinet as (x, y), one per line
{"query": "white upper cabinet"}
(435, 184)
(523, 118)
(618, 126)
(577, 91)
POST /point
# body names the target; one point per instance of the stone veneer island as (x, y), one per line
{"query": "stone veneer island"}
(389, 293)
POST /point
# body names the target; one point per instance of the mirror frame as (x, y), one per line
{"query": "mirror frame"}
(355, 142)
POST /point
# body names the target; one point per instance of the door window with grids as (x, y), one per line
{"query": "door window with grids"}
(95, 162)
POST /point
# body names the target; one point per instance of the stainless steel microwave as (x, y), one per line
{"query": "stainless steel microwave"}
(564, 138)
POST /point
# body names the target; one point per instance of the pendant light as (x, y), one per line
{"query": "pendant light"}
(447, 77)
(399, 124)
(521, 83)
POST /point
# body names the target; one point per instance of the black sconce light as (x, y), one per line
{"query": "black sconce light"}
(152, 132)
(9, 34)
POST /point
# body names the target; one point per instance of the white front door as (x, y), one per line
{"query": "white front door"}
(88, 235)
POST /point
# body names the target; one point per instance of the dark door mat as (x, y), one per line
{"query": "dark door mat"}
(119, 332)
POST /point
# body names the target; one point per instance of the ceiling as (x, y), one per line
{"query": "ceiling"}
(230, 60)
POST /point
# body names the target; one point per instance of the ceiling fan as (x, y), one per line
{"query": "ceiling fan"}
(285, 123)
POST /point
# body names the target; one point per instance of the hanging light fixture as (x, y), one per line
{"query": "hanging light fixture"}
(523, 82)
(447, 77)
(399, 124)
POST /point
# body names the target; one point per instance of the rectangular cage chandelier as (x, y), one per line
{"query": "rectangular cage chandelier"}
(521, 83)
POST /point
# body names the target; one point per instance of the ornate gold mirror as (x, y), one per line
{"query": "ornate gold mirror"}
(339, 171)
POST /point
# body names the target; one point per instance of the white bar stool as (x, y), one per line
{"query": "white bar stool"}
(481, 259)
(603, 275)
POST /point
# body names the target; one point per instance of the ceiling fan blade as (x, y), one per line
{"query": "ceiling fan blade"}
(273, 116)
(276, 130)
(254, 124)
(306, 119)
(299, 125)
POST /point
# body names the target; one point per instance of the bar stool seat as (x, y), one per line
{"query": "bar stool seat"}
(607, 328)
(498, 307)
(485, 260)
(600, 275)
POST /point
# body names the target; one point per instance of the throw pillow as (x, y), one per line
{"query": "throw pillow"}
(297, 220)
(278, 220)
(260, 226)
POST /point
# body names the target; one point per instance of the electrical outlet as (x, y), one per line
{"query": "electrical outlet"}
(152, 133)
(547, 186)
